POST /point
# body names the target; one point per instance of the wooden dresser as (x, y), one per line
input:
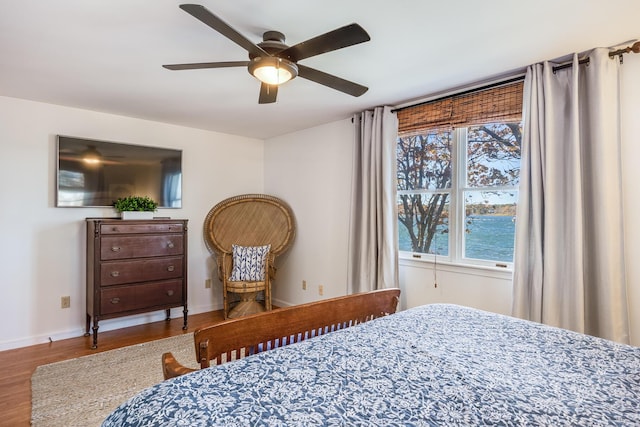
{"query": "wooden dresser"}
(135, 266)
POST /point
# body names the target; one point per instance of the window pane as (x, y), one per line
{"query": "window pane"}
(493, 155)
(490, 225)
(424, 161)
(423, 223)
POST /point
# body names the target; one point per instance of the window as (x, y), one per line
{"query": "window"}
(458, 182)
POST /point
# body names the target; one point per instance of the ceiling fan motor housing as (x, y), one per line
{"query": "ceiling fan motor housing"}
(272, 43)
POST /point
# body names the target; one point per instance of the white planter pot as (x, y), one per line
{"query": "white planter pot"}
(136, 215)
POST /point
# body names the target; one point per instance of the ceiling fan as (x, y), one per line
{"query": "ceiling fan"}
(273, 62)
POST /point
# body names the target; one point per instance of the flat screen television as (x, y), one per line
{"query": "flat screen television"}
(93, 173)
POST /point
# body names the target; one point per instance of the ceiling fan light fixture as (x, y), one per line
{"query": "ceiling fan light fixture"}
(272, 70)
(91, 156)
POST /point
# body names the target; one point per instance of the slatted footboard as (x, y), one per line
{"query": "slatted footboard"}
(248, 335)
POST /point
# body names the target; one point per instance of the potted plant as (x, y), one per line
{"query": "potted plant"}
(136, 207)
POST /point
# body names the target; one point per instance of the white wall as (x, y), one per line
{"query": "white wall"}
(484, 288)
(43, 251)
(312, 170)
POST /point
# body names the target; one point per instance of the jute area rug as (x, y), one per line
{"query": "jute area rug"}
(82, 392)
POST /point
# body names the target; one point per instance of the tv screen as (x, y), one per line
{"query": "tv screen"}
(97, 173)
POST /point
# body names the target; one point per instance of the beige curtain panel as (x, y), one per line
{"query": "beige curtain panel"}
(569, 267)
(373, 242)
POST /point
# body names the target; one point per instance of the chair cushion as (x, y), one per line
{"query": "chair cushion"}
(249, 263)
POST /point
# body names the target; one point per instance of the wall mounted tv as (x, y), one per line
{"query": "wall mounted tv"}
(94, 173)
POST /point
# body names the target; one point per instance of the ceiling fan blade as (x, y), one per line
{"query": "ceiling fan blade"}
(348, 35)
(331, 81)
(198, 65)
(203, 14)
(268, 93)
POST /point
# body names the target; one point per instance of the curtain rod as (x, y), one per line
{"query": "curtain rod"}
(464, 92)
(635, 48)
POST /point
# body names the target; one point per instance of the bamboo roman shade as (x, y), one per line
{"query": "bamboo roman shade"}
(497, 104)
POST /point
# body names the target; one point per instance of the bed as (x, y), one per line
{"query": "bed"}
(438, 364)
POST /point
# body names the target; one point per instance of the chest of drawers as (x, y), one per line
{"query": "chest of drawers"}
(135, 266)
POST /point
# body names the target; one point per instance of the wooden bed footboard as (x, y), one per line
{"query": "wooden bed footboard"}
(240, 337)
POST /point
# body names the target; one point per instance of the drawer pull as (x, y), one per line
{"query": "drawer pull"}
(115, 300)
(170, 268)
(114, 229)
(115, 248)
(170, 292)
(115, 273)
(170, 245)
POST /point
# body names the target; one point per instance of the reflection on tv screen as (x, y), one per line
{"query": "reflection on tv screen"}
(97, 173)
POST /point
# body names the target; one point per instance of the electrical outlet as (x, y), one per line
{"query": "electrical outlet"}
(304, 285)
(65, 302)
(320, 290)
(207, 283)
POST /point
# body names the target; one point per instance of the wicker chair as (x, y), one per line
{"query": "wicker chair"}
(248, 220)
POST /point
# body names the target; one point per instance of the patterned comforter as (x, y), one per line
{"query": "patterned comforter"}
(435, 365)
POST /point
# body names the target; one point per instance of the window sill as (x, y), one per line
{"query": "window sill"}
(471, 269)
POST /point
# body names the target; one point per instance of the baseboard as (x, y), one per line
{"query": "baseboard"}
(105, 325)
(281, 303)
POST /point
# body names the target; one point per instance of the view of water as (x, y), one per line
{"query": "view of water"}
(489, 237)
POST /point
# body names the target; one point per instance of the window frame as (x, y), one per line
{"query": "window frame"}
(459, 186)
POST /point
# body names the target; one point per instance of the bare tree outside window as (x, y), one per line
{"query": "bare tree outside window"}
(424, 166)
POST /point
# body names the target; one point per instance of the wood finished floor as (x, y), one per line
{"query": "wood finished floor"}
(19, 364)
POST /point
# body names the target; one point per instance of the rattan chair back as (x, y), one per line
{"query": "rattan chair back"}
(249, 220)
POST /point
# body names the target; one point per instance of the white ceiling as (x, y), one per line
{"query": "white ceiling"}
(106, 55)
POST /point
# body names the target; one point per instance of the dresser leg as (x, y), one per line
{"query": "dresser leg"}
(95, 334)
(168, 314)
(184, 314)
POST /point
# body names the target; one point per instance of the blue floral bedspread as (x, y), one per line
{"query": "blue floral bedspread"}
(435, 365)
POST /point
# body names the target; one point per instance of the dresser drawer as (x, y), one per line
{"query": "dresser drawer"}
(125, 247)
(142, 227)
(119, 272)
(129, 298)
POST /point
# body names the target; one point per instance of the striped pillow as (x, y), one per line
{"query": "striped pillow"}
(249, 263)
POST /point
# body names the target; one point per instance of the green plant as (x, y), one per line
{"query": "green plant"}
(135, 203)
